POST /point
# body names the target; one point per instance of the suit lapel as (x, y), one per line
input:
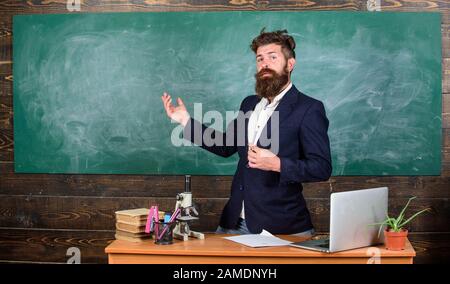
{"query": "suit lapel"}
(251, 107)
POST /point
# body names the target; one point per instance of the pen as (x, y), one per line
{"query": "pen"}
(156, 220)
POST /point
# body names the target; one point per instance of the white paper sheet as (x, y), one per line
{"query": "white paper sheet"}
(265, 239)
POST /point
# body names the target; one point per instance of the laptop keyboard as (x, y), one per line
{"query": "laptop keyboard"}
(326, 244)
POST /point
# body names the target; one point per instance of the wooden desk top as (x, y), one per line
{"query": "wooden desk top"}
(215, 245)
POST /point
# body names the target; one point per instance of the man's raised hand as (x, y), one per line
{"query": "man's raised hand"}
(176, 113)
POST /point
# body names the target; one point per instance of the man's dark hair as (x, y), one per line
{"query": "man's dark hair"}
(280, 37)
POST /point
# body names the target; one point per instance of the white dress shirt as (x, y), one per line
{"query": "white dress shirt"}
(258, 120)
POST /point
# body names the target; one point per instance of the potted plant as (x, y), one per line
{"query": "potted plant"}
(395, 234)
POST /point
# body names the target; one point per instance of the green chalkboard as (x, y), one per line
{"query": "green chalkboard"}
(87, 87)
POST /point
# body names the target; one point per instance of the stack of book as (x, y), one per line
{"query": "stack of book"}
(130, 224)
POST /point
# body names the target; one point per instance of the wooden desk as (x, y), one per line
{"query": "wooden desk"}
(216, 250)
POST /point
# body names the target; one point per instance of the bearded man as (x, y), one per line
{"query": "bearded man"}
(266, 191)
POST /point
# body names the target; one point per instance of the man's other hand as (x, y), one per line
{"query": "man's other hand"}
(263, 159)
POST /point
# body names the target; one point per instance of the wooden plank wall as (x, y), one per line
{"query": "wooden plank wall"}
(42, 215)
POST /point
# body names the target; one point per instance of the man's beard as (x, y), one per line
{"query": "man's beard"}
(270, 87)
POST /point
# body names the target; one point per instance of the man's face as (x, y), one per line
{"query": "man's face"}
(273, 70)
(271, 57)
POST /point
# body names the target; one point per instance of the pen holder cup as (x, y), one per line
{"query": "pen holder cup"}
(163, 234)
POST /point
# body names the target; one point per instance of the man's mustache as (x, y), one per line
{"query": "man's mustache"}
(266, 71)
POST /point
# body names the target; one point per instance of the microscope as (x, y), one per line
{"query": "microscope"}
(184, 202)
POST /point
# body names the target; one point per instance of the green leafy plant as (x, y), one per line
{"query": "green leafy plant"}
(397, 224)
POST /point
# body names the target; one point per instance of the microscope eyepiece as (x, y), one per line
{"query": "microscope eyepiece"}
(187, 183)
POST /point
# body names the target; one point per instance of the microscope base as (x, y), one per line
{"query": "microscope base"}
(182, 232)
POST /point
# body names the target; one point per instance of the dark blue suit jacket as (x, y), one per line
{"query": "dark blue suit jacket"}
(274, 200)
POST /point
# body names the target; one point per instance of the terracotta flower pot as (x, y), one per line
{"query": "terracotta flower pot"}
(395, 240)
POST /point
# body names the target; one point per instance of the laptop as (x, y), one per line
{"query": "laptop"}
(351, 214)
